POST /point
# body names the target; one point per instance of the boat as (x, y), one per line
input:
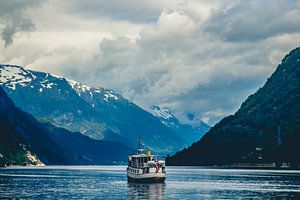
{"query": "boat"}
(144, 167)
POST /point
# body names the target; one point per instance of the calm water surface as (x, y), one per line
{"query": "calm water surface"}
(109, 182)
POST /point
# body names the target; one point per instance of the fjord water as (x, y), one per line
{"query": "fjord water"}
(109, 182)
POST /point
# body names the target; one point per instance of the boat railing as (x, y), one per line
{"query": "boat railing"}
(145, 170)
(139, 165)
(148, 164)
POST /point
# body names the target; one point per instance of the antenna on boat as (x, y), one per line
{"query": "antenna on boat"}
(140, 145)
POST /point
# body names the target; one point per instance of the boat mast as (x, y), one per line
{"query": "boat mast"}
(140, 146)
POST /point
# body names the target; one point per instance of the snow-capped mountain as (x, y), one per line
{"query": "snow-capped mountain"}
(191, 133)
(96, 112)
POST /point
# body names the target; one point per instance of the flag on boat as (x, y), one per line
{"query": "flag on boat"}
(157, 166)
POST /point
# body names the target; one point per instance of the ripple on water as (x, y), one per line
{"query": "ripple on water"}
(109, 182)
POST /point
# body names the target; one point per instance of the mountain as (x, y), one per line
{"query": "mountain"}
(23, 141)
(96, 112)
(191, 132)
(83, 150)
(265, 129)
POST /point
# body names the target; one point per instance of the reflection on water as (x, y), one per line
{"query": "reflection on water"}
(146, 191)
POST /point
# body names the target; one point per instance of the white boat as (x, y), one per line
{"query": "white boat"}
(145, 168)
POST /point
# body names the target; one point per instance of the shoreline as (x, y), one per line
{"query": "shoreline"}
(186, 166)
(238, 167)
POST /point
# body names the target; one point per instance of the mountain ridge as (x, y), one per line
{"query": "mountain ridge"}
(264, 130)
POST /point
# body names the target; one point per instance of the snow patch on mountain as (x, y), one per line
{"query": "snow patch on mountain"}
(56, 76)
(162, 112)
(110, 94)
(78, 86)
(12, 76)
(81, 89)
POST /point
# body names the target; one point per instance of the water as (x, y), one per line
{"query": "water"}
(109, 182)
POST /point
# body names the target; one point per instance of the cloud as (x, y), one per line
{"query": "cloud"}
(13, 18)
(135, 11)
(196, 57)
(176, 64)
(254, 20)
(142, 62)
(132, 10)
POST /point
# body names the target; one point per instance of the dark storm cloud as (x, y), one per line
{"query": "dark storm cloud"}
(137, 11)
(13, 18)
(254, 20)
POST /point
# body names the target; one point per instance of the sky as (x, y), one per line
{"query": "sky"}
(198, 58)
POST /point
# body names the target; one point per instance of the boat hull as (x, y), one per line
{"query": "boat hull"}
(146, 180)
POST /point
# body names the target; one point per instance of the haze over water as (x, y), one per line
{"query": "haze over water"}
(110, 182)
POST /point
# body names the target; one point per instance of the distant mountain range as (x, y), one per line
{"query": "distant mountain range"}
(191, 132)
(25, 141)
(265, 129)
(98, 113)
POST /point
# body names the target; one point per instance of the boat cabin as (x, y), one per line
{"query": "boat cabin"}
(140, 161)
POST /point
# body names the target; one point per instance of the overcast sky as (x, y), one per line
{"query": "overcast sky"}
(199, 57)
